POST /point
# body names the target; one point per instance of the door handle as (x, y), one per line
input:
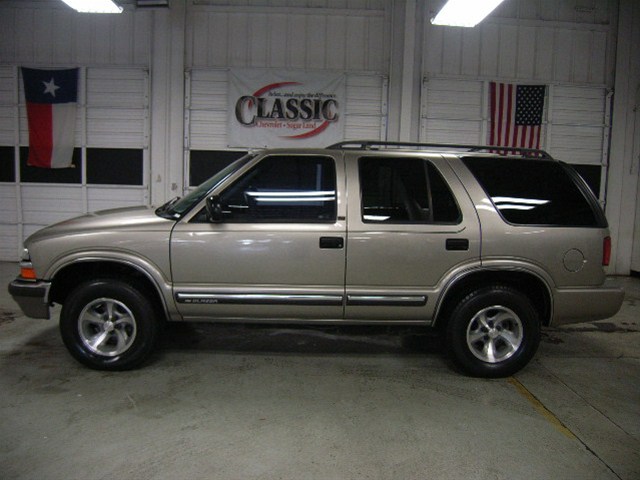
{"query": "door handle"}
(457, 244)
(331, 242)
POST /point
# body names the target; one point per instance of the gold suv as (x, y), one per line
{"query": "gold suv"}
(487, 245)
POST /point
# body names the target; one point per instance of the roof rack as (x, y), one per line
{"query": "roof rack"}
(501, 150)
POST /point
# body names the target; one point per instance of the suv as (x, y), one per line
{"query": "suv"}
(487, 246)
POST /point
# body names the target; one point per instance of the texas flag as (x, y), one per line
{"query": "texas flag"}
(52, 97)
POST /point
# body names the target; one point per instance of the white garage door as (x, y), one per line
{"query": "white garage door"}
(206, 110)
(111, 156)
(575, 124)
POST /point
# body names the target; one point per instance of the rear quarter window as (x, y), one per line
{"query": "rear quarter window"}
(537, 192)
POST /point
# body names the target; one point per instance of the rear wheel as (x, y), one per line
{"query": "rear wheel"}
(108, 325)
(493, 332)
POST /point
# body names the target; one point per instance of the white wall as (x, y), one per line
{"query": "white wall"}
(47, 33)
(349, 37)
(343, 36)
(635, 253)
(623, 196)
(167, 102)
(567, 41)
(113, 53)
(567, 44)
(586, 51)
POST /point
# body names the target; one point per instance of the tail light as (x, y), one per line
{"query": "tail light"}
(606, 251)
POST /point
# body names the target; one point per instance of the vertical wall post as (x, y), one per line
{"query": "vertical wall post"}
(167, 102)
(16, 159)
(407, 18)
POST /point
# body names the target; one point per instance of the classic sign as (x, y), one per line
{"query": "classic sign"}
(275, 109)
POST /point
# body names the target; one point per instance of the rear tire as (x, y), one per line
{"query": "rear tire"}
(493, 332)
(108, 324)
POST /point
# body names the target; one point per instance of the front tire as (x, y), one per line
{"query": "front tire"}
(493, 332)
(108, 325)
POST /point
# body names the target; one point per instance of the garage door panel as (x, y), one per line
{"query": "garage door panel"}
(460, 111)
(207, 102)
(112, 112)
(452, 131)
(9, 242)
(457, 111)
(8, 205)
(103, 198)
(7, 125)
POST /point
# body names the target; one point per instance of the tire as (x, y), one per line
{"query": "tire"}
(108, 324)
(493, 332)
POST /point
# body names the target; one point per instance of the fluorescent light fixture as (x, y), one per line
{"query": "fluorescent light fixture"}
(465, 13)
(94, 6)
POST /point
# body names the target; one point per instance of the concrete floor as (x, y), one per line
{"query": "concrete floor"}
(240, 402)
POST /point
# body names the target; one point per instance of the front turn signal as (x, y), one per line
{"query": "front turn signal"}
(28, 273)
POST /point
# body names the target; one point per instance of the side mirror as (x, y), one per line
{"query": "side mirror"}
(214, 209)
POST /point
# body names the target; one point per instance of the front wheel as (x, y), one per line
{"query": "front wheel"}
(493, 332)
(108, 325)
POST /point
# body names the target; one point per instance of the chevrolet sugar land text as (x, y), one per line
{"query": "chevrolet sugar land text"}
(486, 247)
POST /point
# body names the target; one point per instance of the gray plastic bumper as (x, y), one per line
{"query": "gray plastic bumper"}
(32, 297)
(586, 304)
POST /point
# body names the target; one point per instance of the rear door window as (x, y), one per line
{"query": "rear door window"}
(405, 190)
(536, 192)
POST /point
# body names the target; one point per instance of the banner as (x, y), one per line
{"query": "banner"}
(268, 108)
(51, 97)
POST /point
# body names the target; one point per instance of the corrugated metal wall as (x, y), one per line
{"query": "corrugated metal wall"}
(349, 37)
(567, 45)
(112, 113)
(113, 107)
(345, 38)
(576, 121)
(543, 40)
(49, 33)
(206, 108)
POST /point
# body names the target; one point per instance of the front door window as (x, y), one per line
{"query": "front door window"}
(284, 189)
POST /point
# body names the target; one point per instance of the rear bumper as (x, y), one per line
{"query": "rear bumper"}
(573, 305)
(32, 297)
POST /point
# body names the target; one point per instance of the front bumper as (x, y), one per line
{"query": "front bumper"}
(573, 305)
(32, 297)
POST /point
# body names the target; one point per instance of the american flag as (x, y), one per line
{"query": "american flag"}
(516, 114)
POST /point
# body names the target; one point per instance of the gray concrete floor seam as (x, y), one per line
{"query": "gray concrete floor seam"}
(596, 408)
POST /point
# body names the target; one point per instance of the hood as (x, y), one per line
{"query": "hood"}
(115, 220)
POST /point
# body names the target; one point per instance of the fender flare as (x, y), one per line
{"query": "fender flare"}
(497, 266)
(142, 265)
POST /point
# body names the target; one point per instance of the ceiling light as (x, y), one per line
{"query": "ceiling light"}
(94, 6)
(465, 13)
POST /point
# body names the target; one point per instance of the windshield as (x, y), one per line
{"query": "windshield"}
(178, 207)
